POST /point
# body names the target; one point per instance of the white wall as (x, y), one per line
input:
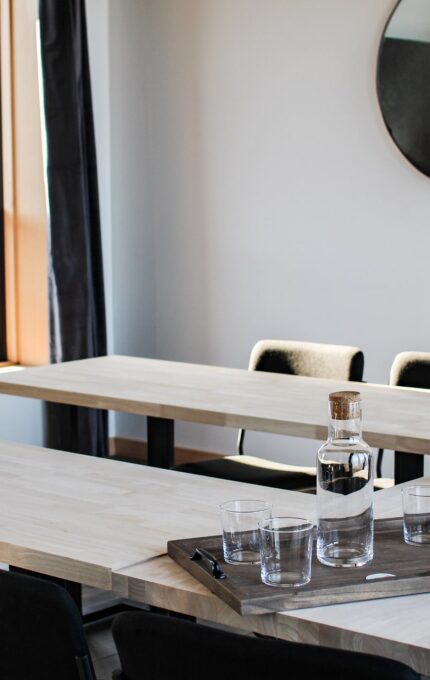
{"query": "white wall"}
(116, 45)
(255, 190)
(99, 53)
(21, 420)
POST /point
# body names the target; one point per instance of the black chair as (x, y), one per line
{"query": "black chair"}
(410, 369)
(310, 359)
(156, 647)
(41, 632)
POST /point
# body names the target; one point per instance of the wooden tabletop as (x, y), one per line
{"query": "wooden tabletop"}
(81, 518)
(105, 523)
(393, 417)
(396, 627)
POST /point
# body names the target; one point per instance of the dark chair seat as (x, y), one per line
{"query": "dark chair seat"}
(253, 470)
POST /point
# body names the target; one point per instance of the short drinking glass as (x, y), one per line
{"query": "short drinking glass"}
(416, 514)
(286, 551)
(240, 535)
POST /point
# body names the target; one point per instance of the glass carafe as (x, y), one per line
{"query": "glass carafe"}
(345, 487)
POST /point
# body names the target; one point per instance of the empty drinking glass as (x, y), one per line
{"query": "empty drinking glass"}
(240, 534)
(286, 551)
(416, 514)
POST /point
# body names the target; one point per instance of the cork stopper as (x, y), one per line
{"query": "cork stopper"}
(344, 405)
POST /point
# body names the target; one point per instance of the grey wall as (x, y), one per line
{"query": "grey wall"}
(253, 189)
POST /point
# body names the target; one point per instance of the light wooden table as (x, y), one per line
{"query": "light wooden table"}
(394, 417)
(82, 518)
(106, 524)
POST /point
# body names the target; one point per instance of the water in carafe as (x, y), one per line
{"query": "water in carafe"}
(345, 487)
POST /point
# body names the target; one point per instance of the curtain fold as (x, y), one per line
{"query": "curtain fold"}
(76, 292)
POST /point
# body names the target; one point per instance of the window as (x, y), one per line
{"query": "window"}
(3, 348)
(24, 206)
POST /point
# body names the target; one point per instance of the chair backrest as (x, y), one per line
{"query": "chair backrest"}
(410, 369)
(41, 632)
(152, 646)
(310, 359)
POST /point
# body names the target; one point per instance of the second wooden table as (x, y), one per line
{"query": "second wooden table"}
(394, 417)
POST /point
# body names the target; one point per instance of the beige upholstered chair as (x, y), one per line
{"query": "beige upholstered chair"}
(410, 369)
(316, 360)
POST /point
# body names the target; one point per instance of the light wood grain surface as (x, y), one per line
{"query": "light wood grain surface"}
(80, 518)
(106, 524)
(394, 417)
(398, 628)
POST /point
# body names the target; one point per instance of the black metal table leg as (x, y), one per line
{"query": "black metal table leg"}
(407, 466)
(161, 449)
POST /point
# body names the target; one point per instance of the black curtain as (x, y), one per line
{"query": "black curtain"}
(76, 293)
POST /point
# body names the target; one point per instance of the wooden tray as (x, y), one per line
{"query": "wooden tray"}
(243, 590)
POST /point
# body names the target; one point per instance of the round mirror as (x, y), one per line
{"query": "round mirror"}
(403, 80)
